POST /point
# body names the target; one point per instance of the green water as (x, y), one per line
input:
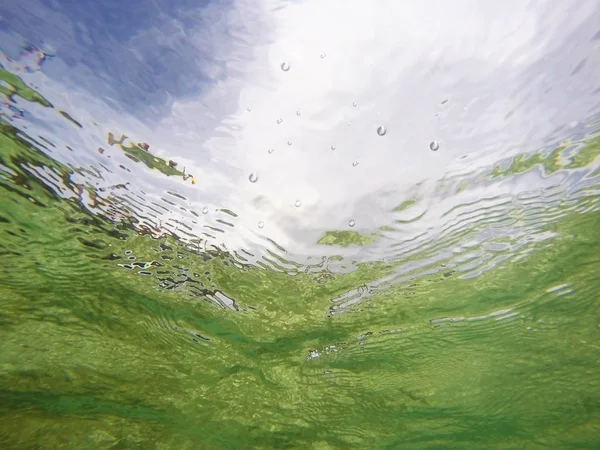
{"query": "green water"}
(111, 338)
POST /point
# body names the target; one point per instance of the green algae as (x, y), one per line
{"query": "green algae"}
(345, 238)
(17, 87)
(405, 205)
(94, 355)
(551, 162)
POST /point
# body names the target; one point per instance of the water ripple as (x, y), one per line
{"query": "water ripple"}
(218, 228)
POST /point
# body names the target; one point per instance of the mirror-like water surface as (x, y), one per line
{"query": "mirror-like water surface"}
(285, 224)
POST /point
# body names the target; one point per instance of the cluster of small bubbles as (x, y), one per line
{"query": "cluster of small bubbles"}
(351, 223)
(279, 121)
(434, 146)
(298, 204)
(261, 224)
(313, 354)
(333, 147)
(253, 178)
(323, 55)
(271, 150)
(205, 210)
(285, 66)
(381, 130)
(355, 163)
(289, 142)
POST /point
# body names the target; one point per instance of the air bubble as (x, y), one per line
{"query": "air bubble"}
(351, 223)
(271, 150)
(354, 104)
(323, 55)
(333, 147)
(289, 142)
(261, 224)
(205, 210)
(381, 131)
(285, 66)
(298, 204)
(248, 109)
(355, 163)
(313, 354)
(298, 112)
(253, 178)
(279, 121)
(434, 146)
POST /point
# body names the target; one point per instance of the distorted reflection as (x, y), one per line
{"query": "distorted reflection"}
(324, 178)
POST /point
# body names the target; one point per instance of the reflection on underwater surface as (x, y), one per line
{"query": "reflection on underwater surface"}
(272, 225)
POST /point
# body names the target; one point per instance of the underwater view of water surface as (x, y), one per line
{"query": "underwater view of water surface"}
(299, 224)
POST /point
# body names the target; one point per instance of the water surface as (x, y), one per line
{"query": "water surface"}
(285, 224)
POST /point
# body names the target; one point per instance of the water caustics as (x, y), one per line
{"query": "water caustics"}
(303, 191)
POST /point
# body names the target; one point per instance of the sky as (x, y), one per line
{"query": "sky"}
(202, 82)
